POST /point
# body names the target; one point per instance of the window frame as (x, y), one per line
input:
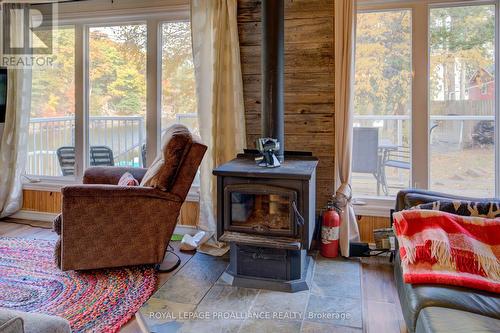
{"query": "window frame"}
(153, 18)
(420, 176)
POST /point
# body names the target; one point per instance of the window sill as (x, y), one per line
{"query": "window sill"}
(55, 185)
(372, 206)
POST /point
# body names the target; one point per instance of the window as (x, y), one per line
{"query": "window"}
(382, 101)
(426, 99)
(98, 104)
(462, 144)
(52, 116)
(178, 103)
(117, 107)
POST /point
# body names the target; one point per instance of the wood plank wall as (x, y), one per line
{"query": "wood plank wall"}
(309, 80)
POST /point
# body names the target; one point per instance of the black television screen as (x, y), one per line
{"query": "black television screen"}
(3, 93)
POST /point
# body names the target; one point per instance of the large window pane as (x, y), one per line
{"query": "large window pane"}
(462, 106)
(382, 102)
(117, 108)
(52, 120)
(178, 101)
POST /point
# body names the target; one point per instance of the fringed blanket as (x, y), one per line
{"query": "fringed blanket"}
(442, 248)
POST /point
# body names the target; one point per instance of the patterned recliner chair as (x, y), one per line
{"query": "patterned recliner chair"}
(105, 225)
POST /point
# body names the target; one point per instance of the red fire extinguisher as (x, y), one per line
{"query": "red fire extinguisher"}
(330, 225)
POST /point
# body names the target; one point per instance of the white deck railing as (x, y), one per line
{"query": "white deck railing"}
(392, 126)
(124, 135)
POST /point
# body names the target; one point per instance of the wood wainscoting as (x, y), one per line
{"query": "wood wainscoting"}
(367, 224)
(42, 201)
(50, 202)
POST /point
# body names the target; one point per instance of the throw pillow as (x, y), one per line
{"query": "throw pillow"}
(485, 209)
(128, 180)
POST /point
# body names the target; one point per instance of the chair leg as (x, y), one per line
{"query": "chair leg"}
(377, 177)
(170, 262)
(384, 181)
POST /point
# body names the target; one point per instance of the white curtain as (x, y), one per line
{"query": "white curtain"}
(14, 140)
(219, 90)
(345, 21)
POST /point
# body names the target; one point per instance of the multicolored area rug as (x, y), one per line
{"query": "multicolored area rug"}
(96, 301)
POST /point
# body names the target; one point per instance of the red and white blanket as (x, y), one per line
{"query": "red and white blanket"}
(442, 248)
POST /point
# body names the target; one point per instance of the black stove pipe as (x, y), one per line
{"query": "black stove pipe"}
(272, 66)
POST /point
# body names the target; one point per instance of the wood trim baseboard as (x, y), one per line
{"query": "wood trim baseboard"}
(35, 216)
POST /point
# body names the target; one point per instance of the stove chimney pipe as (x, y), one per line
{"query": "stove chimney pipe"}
(272, 66)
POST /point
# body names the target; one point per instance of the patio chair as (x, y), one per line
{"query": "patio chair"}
(99, 156)
(143, 155)
(66, 158)
(365, 154)
(398, 157)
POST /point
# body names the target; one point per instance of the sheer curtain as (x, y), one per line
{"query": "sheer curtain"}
(219, 89)
(345, 20)
(13, 143)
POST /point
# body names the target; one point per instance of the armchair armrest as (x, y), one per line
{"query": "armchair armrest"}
(115, 191)
(110, 175)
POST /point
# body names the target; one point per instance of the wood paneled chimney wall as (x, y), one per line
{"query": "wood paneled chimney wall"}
(309, 80)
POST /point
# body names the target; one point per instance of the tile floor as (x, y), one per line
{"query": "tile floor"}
(196, 299)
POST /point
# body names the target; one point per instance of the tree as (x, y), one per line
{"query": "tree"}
(461, 43)
(383, 63)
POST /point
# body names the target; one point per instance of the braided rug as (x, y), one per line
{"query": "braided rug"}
(92, 301)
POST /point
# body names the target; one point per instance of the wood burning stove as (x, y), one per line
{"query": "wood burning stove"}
(268, 214)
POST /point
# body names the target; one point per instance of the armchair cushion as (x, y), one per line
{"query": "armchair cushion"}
(176, 142)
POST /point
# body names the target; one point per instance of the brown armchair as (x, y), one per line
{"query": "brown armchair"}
(104, 225)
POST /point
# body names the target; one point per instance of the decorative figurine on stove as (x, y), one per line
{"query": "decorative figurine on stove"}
(268, 148)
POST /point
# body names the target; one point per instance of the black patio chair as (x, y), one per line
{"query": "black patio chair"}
(143, 155)
(99, 156)
(66, 158)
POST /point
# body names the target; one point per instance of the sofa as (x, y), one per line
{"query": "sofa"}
(12, 321)
(105, 225)
(442, 308)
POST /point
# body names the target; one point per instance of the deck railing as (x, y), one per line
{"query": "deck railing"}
(452, 129)
(124, 135)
